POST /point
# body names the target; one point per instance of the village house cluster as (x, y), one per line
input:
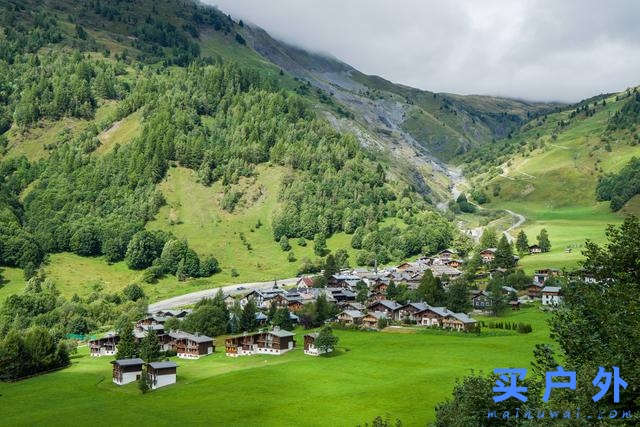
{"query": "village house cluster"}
(342, 289)
(184, 344)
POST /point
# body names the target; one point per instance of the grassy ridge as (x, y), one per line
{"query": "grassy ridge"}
(284, 390)
(551, 178)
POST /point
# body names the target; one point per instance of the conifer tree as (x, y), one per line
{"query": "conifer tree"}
(522, 243)
(543, 241)
(127, 347)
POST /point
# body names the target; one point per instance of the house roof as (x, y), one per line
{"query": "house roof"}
(509, 289)
(261, 316)
(492, 250)
(353, 313)
(449, 250)
(281, 333)
(391, 305)
(551, 289)
(128, 362)
(356, 305)
(191, 337)
(313, 335)
(377, 314)
(417, 305)
(463, 317)
(441, 311)
(162, 365)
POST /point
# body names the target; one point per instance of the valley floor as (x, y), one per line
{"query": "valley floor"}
(402, 375)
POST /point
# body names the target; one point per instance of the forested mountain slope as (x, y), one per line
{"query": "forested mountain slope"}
(111, 115)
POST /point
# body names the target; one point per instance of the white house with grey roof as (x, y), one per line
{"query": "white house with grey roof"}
(552, 295)
(126, 371)
(161, 374)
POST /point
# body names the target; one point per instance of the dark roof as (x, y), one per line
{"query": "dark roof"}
(391, 305)
(128, 362)
(162, 365)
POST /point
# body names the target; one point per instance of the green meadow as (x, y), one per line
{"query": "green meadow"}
(403, 375)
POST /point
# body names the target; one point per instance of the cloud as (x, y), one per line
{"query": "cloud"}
(532, 49)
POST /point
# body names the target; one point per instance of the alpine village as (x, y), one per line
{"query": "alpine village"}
(200, 223)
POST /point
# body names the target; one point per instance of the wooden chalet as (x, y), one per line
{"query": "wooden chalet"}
(161, 374)
(191, 346)
(350, 317)
(431, 316)
(488, 255)
(480, 300)
(276, 341)
(458, 321)
(535, 249)
(448, 254)
(126, 371)
(104, 346)
(408, 311)
(387, 307)
(310, 347)
(370, 320)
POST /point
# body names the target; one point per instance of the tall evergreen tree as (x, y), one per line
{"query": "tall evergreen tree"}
(504, 254)
(489, 238)
(150, 347)
(430, 290)
(248, 320)
(543, 241)
(458, 297)
(127, 347)
(522, 243)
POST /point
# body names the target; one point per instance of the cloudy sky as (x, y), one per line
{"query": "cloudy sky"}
(533, 49)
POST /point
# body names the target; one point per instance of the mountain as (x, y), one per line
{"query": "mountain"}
(159, 148)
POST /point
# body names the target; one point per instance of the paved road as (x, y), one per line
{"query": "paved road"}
(520, 220)
(194, 297)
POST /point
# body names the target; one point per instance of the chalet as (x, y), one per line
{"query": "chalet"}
(404, 266)
(408, 311)
(105, 346)
(370, 320)
(488, 255)
(342, 294)
(263, 297)
(310, 347)
(443, 271)
(343, 281)
(161, 374)
(141, 331)
(304, 283)
(379, 287)
(552, 295)
(276, 341)
(190, 346)
(480, 300)
(126, 371)
(353, 305)
(179, 314)
(153, 319)
(534, 290)
(448, 254)
(458, 321)
(535, 249)
(350, 317)
(291, 301)
(431, 316)
(385, 306)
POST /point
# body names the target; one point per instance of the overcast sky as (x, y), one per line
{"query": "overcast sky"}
(532, 49)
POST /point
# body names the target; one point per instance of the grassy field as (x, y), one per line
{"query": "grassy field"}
(401, 374)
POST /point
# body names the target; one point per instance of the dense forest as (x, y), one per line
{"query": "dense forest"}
(619, 188)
